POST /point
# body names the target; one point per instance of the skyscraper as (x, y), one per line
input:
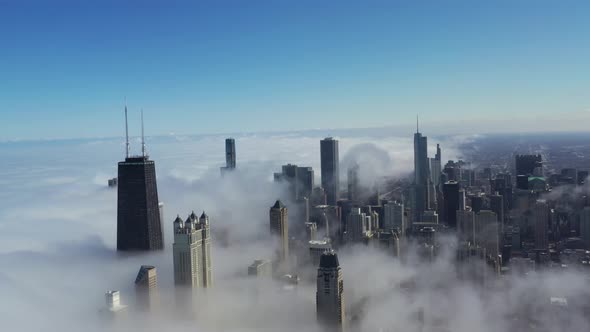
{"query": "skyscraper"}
(192, 252)
(279, 226)
(357, 225)
(487, 232)
(230, 153)
(451, 202)
(330, 291)
(585, 226)
(421, 175)
(541, 218)
(146, 287)
(353, 182)
(299, 179)
(138, 218)
(394, 217)
(330, 169)
(526, 164)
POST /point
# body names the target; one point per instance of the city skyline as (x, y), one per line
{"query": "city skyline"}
(192, 63)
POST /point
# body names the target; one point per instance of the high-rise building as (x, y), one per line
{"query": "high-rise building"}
(488, 232)
(394, 217)
(466, 226)
(353, 182)
(279, 226)
(318, 197)
(356, 225)
(526, 164)
(230, 153)
(311, 229)
(430, 216)
(138, 218)
(317, 248)
(330, 165)
(299, 179)
(451, 202)
(330, 292)
(146, 287)
(113, 302)
(192, 252)
(585, 226)
(541, 218)
(421, 175)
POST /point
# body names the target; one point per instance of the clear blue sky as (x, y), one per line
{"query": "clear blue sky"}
(235, 66)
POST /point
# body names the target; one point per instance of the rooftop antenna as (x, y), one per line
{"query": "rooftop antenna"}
(126, 132)
(417, 128)
(142, 136)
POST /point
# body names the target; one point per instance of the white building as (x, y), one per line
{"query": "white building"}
(357, 225)
(192, 252)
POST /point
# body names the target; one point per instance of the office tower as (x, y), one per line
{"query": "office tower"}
(389, 241)
(421, 174)
(466, 226)
(541, 218)
(230, 156)
(430, 216)
(476, 203)
(330, 292)
(146, 287)
(317, 248)
(487, 232)
(522, 182)
(451, 202)
(328, 218)
(192, 252)
(516, 241)
(260, 268)
(393, 217)
(279, 226)
(462, 199)
(353, 182)
(299, 179)
(570, 175)
(138, 218)
(585, 226)
(230, 153)
(311, 229)
(330, 169)
(113, 302)
(497, 205)
(435, 171)
(526, 164)
(112, 183)
(357, 225)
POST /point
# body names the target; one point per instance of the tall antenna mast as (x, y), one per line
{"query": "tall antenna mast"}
(417, 127)
(142, 136)
(126, 132)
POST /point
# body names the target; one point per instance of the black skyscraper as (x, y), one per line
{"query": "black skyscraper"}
(421, 175)
(451, 198)
(230, 153)
(526, 164)
(138, 217)
(330, 169)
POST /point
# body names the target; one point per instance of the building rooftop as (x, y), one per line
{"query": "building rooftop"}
(278, 205)
(329, 259)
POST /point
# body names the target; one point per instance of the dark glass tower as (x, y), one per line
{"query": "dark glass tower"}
(421, 175)
(451, 202)
(138, 215)
(230, 153)
(330, 169)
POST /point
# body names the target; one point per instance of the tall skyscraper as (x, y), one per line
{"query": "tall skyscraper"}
(466, 226)
(585, 226)
(526, 164)
(279, 226)
(451, 202)
(330, 291)
(353, 182)
(357, 225)
(421, 175)
(394, 217)
(330, 165)
(192, 252)
(488, 232)
(299, 179)
(541, 218)
(230, 153)
(138, 218)
(146, 287)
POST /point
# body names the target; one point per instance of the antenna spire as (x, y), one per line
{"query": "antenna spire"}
(142, 136)
(126, 132)
(417, 127)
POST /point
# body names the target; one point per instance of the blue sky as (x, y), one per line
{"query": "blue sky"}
(243, 66)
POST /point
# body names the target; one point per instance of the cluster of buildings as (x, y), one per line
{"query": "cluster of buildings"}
(503, 223)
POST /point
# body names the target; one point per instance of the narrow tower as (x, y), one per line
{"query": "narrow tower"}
(330, 292)
(279, 227)
(138, 217)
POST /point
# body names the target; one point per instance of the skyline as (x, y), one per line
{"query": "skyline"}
(290, 66)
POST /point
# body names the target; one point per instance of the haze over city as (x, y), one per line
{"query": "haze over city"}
(294, 166)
